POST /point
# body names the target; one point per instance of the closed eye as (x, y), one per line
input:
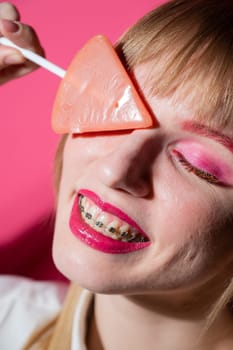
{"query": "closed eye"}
(204, 175)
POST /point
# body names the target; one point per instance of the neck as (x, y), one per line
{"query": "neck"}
(136, 323)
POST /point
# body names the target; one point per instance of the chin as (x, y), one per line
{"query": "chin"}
(93, 283)
(88, 273)
(100, 277)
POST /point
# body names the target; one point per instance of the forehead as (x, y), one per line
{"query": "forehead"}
(188, 96)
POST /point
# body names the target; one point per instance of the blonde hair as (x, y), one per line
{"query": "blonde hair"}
(192, 41)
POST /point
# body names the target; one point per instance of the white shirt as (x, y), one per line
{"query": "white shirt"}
(79, 329)
(26, 304)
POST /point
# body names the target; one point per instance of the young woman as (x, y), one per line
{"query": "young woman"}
(169, 187)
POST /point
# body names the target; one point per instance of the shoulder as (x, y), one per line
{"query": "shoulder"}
(25, 305)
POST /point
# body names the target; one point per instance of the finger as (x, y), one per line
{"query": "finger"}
(21, 34)
(13, 72)
(9, 11)
(9, 56)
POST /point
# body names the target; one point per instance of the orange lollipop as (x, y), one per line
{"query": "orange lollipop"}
(97, 94)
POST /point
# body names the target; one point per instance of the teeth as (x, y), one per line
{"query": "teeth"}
(102, 220)
(124, 230)
(81, 199)
(112, 230)
(94, 212)
(88, 216)
(100, 224)
(113, 226)
(81, 205)
(106, 224)
(132, 236)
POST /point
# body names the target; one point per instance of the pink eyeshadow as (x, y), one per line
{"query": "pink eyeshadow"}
(198, 157)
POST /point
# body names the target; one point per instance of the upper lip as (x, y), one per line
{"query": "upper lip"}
(111, 209)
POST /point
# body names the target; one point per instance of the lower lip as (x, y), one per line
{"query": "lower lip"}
(96, 240)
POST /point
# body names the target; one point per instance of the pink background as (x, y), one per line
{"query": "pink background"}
(27, 144)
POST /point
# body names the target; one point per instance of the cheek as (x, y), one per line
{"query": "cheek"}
(184, 208)
(78, 154)
(89, 148)
(196, 221)
(82, 156)
(66, 248)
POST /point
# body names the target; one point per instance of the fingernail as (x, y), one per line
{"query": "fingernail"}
(10, 26)
(13, 59)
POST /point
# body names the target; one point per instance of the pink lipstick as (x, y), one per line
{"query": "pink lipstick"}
(97, 240)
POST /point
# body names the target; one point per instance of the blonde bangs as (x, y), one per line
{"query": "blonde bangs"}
(188, 46)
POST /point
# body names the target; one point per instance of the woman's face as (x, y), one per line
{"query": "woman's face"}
(173, 182)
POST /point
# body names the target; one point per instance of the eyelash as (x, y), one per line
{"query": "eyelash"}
(198, 172)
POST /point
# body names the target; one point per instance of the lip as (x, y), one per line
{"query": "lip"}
(95, 239)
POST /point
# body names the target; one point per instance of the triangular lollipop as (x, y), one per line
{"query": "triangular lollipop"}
(97, 94)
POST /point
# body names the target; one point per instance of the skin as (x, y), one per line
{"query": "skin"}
(137, 172)
(12, 63)
(169, 284)
(158, 295)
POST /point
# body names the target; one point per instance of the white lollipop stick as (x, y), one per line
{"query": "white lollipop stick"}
(53, 68)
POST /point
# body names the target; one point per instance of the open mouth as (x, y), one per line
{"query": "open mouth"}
(108, 224)
(104, 227)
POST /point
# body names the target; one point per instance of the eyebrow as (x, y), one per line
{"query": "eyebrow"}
(206, 131)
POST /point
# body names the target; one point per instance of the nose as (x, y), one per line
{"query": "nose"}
(128, 167)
